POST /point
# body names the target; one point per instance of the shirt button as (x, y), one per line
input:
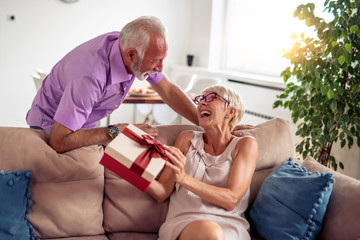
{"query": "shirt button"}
(116, 105)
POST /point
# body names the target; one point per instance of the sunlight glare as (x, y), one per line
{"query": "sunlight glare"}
(261, 32)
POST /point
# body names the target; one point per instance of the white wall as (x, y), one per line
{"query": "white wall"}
(45, 30)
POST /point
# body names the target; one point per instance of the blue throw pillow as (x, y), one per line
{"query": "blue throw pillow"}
(14, 200)
(291, 203)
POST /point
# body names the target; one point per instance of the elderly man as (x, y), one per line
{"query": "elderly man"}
(92, 80)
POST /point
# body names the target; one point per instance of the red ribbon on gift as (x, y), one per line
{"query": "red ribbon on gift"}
(155, 150)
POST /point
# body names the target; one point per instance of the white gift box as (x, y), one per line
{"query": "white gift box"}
(122, 157)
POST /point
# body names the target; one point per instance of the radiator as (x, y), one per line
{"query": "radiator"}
(255, 117)
(258, 100)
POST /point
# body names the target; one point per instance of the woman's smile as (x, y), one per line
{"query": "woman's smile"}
(205, 113)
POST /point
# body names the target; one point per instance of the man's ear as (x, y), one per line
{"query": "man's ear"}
(131, 54)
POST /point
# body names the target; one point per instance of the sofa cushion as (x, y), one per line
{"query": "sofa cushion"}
(14, 201)
(341, 220)
(291, 203)
(126, 208)
(274, 143)
(257, 180)
(93, 237)
(67, 190)
(133, 236)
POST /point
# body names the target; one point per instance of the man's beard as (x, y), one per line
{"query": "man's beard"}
(135, 67)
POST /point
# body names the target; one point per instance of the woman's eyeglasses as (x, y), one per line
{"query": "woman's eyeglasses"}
(208, 98)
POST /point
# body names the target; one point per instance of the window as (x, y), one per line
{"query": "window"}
(257, 32)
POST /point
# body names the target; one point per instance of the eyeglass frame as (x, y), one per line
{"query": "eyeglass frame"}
(203, 97)
(153, 62)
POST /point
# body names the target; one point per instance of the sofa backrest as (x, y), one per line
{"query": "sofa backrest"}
(68, 189)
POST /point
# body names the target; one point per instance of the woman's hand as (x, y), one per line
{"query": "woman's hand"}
(176, 163)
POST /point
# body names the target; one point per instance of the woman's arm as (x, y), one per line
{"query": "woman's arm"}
(161, 189)
(164, 186)
(245, 155)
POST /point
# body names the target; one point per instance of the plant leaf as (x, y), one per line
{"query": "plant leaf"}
(348, 47)
(341, 165)
(330, 94)
(354, 28)
(341, 60)
(277, 103)
(324, 90)
(358, 34)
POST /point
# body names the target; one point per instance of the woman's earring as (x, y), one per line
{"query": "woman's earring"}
(226, 116)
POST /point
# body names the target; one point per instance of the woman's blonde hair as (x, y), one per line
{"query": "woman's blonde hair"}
(235, 101)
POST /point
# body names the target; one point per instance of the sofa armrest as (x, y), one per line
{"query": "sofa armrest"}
(341, 220)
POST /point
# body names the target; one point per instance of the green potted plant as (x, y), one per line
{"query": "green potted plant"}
(324, 99)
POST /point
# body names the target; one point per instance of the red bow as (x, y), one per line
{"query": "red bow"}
(155, 150)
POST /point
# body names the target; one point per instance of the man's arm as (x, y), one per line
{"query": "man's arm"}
(63, 139)
(179, 101)
(173, 95)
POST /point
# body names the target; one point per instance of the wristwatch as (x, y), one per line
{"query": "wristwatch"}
(113, 131)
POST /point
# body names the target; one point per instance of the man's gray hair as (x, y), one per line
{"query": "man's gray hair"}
(136, 34)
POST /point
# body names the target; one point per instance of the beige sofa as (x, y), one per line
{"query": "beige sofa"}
(75, 198)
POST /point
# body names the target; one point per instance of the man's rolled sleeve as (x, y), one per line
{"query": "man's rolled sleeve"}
(154, 78)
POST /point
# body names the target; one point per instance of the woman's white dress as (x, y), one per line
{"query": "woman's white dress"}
(186, 207)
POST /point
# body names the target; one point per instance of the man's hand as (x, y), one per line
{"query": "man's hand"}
(148, 129)
(237, 130)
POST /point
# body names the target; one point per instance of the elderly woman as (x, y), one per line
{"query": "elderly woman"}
(209, 173)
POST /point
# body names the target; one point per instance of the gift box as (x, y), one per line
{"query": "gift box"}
(135, 156)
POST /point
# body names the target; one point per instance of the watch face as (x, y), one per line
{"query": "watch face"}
(113, 131)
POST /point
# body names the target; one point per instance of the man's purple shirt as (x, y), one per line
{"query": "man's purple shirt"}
(89, 83)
